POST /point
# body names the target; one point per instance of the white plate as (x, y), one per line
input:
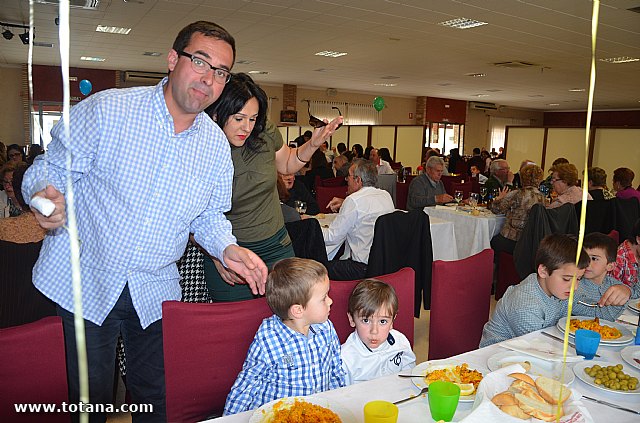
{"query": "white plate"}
(578, 369)
(626, 337)
(423, 368)
(345, 415)
(630, 353)
(634, 305)
(539, 367)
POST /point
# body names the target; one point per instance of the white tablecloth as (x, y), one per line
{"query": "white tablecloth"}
(442, 236)
(393, 388)
(472, 234)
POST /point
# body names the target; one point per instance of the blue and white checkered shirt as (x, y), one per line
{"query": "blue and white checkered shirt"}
(524, 308)
(590, 292)
(139, 189)
(282, 363)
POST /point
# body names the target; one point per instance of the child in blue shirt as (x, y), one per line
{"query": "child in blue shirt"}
(296, 351)
(598, 286)
(540, 300)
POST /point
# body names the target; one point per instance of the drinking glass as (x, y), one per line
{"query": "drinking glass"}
(443, 400)
(483, 194)
(380, 412)
(301, 206)
(587, 342)
(474, 199)
(458, 197)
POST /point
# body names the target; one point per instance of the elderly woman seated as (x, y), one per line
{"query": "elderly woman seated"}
(623, 183)
(598, 184)
(564, 179)
(23, 228)
(515, 204)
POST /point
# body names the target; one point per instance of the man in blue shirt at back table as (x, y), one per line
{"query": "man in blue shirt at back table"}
(148, 168)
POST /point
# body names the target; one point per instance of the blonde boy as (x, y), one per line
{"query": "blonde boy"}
(374, 349)
(597, 286)
(296, 351)
(540, 300)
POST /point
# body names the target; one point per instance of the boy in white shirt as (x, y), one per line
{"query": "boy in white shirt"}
(374, 349)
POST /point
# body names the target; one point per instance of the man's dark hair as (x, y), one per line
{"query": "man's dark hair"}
(476, 151)
(605, 242)
(559, 249)
(207, 28)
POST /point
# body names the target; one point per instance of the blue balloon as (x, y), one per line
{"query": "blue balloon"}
(85, 86)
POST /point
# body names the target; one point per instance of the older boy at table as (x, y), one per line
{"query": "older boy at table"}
(540, 300)
(597, 286)
(296, 351)
(374, 349)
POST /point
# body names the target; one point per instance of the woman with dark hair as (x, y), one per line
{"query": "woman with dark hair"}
(597, 179)
(358, 152)
(454, 158)
(622, 183)
(22, 228)
(257, 151)
(319, 167)
(367, 153)
(15, 153)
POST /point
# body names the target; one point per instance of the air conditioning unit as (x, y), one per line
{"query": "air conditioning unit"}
(481, 105)
(82, 4)
(150, 78)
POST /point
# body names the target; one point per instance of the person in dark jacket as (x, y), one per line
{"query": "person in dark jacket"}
(298, 192)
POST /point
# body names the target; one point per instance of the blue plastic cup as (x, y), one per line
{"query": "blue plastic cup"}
(587, 342)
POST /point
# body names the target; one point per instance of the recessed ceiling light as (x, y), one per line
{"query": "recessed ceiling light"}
(536, 95)
(390, 77)
(462, 23)
(577, 90)
(623, 59)
(321, 70)
(481, 95)
(476, 75)
(394, 39)
(41, 44)
(553, 104)
(328, 53)
(92, 59)
(258, 72)
(382, 84)
(113, 29)
(494, 90)
(152, 53)
(445, 84)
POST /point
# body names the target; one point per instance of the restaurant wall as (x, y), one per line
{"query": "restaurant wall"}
(11, 107)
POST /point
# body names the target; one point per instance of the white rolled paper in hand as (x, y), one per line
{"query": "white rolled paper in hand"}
(43, 205)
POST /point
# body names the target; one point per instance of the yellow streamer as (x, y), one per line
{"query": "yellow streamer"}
(585, 192)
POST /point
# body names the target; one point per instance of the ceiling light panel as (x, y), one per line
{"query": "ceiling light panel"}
(113, 29)
(328, 53)
(462, 23)
(92, 59)
(623, 59)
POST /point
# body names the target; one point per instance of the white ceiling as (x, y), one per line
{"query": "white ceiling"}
(383, 38)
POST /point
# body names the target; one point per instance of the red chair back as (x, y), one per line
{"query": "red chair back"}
(465, 187)
(507, 274)
(402, 193)
(326, 194)
(331, 182)
(403, 283)
(460, 300)
(615, 236)
(204, 348)
(33, 369)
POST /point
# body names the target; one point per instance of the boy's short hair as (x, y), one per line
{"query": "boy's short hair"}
(605, 242)
(290, 283)
(371, 294)
(558, 249)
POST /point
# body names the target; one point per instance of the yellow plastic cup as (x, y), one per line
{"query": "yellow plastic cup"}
(380, 412)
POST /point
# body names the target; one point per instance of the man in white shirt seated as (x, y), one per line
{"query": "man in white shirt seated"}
(356, 221)
(383, 166)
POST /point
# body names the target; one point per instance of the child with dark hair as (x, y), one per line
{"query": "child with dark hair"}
(374, 349)
(628, 258)
(597, 286)
(296, 351)
(540, 300)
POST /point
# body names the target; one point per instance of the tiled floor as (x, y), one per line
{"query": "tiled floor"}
(420, 347)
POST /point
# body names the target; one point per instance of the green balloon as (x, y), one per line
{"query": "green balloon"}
(378, 103)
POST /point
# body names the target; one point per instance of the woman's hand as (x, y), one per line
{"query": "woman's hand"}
(502, 193)
(320, 135)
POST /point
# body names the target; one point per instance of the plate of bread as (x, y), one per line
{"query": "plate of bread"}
(460, 373)
(533, 365)
(527, 397)
(611, 333)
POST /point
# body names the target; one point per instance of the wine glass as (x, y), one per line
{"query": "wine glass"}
(301, 206)
(483, 194)
(458, 197)
(473, 199)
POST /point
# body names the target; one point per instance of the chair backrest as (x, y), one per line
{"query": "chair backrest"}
(20, 301)
(465, 187)
(33, 370)
(400, 240)
(447, 180)
(627, 212)
(600, 215)
(460, 301)
(306, 239)
(402, 282)
(614, 235)
(204, 348)
(331, 182)
(326, 194)
(402, 193)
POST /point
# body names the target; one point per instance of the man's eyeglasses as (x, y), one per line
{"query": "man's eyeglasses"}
(317, 123)
(201, 66)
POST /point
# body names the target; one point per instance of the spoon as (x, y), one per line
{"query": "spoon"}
(423, 391)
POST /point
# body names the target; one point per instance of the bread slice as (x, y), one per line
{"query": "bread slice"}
(538, 409)
(549, 389)
(518, 386)
(515, 411)
(504, 398)
(523, 377)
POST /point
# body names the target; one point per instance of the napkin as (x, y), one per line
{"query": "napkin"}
(541, 348)
(495, 382)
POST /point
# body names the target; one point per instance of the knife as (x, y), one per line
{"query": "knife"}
(571, 344)
(611, 405)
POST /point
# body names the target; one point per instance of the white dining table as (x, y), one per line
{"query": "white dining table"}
(393, 388)
(472, 234)
(441, 230)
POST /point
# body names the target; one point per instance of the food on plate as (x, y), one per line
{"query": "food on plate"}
(612, 377)
(527, 398)
(606, 332)
(320, 216)
(299, 412)
(461, 375)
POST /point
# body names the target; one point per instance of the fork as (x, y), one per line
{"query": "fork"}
(587, 304)
(423, 391)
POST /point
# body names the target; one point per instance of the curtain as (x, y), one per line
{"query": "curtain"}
(498, 129)
(354, 113)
